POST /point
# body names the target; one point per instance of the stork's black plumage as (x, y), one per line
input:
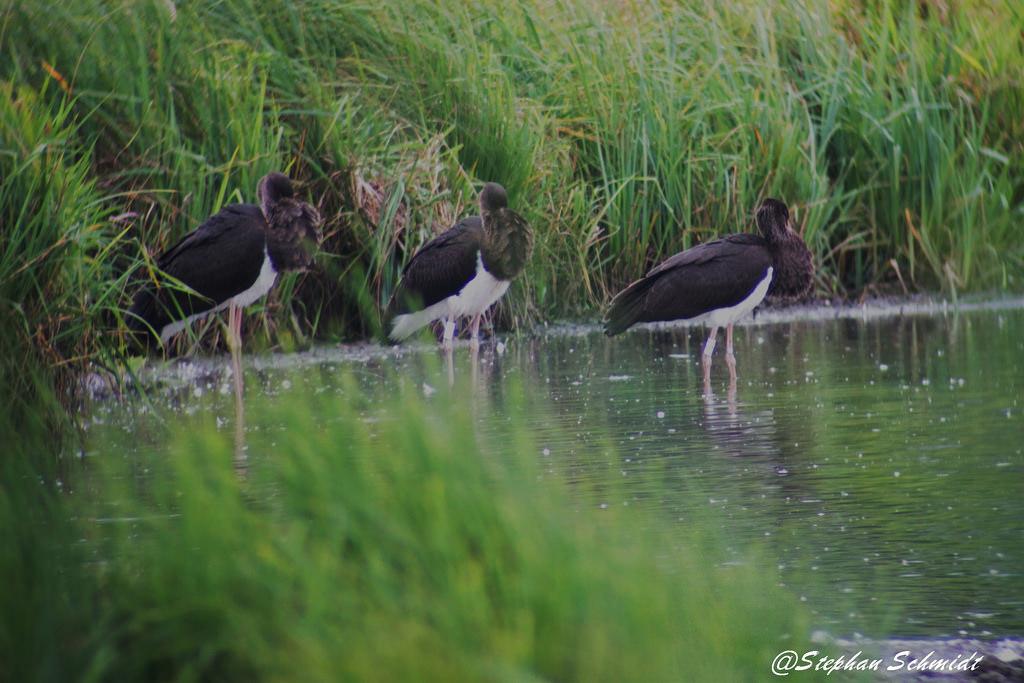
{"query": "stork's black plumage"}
(231, 260)
(720, 281)
(462, 271)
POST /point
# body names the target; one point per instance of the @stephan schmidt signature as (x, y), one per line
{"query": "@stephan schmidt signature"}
(789, 661)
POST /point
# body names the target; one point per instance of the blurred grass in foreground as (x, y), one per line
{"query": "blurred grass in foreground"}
(393, 546)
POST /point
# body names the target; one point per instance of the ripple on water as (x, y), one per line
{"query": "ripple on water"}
(874, 453)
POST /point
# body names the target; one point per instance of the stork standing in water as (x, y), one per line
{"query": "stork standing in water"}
(720, 281)
(230, 261)
(463, 271)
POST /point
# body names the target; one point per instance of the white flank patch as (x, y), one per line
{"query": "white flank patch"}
(259, 288)
(722, 317)
(727, 316)
(476, 296)
(245, 298)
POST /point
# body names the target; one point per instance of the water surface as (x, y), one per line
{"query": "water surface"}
(875, 455)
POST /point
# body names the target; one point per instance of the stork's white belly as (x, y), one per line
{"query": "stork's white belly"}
(721, 317)
(258, 289)
(476, 296)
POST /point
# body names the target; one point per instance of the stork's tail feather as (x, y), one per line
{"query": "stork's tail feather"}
(627, 308)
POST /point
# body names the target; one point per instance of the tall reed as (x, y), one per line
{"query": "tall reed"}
(624, 132)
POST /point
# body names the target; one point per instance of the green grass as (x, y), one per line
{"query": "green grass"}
(624, 132)
(402, 547)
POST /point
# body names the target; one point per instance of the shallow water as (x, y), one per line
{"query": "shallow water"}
(875, 454)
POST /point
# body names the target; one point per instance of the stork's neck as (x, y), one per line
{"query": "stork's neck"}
(793, 265)
(490, 220)
(506, 243)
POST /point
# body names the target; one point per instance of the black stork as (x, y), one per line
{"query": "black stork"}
(463, 271)
(229, 261)
(720, 281)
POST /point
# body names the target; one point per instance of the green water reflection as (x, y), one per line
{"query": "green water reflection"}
(881, 460)
(877, 461)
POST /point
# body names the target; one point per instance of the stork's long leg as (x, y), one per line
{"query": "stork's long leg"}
(709, 349)
(449, 332)
(474, 331)
(730, 357)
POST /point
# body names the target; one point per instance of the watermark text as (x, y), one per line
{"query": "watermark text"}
(788, 661)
